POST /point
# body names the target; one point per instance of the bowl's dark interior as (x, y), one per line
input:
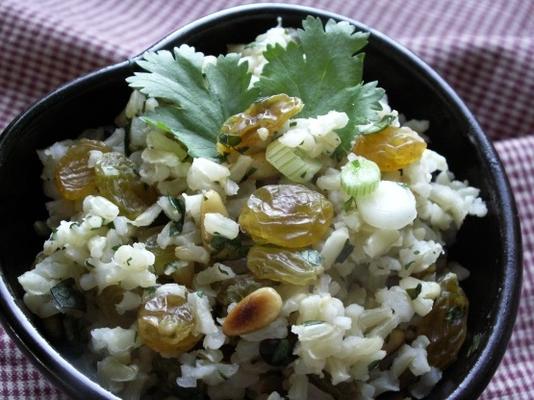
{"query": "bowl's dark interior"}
(98, 100)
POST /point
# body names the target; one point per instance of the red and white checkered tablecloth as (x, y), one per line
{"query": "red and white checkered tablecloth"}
(483, 48)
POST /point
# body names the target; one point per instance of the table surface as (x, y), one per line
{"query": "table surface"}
(483, 48)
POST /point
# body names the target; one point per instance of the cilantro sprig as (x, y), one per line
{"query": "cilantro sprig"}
(324, 69)
(196, 103)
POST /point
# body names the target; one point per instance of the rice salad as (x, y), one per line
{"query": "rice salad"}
(257, 225)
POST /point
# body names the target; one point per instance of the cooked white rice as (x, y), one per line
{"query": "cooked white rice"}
(341, 322)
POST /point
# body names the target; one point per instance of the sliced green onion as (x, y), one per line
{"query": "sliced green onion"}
(360, 177)
(290, 163)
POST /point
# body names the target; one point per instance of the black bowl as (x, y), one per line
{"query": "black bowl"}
(490, 247)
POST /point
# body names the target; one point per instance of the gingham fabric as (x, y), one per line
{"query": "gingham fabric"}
(483, 48)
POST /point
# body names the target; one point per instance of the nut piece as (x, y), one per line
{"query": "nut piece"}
(254, 312)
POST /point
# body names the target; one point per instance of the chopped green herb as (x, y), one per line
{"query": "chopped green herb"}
(88, 264)
(345, 252)
(176, 228)
(68, 297)
(75, 225)
(292, 124)
(222, 271)
(408, 265)
(416, 252)
(350, 204)
(178, 204)
(373, 365)
(149, 291)
(276, 352)
(115, 248)
(414, 292)
(129, 260)
(228, 249)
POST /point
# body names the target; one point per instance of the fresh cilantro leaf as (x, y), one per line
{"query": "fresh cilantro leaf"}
(197, 103)
(325, 72)
(377, 125)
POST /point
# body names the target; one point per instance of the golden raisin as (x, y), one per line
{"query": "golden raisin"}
(446, 325)
(297, 267)
(290, 216)
(73, 178)
(180, 271)
(391, 148)
(166, 325)
(241, 132)
(107, 300)
(235, 289)
(117, 180)
(184, 274)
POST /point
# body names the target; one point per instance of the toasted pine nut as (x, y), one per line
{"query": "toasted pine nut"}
(254, 312)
